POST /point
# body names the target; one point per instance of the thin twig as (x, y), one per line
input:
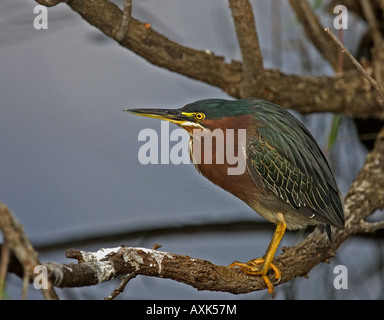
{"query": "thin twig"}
(340, 56)
(358, 66)
(121, 287)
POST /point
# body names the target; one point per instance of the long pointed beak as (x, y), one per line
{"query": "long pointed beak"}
(171, 115)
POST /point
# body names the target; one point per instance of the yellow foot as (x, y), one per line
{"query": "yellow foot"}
(258, 267)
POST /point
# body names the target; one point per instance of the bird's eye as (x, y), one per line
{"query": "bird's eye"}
(199, 116)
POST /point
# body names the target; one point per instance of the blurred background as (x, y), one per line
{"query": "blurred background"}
(69, 169)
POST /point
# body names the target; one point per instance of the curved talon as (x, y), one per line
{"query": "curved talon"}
(277, 273)
(258, 267)
(277, 281)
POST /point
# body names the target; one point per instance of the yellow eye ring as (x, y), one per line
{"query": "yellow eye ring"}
(199, 116)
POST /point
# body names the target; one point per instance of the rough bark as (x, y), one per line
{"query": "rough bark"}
(348, 93)
(365, 196)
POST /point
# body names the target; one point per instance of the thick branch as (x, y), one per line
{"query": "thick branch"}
(125, 20)
(201, 274)
(348, 93)
(367, 193)
(252, 76)
(157, 49)
(365, 196)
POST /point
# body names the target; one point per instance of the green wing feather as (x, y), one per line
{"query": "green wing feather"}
(290, 163)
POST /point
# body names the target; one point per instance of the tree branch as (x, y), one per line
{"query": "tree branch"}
(371, 226)
(253, 71)
(18, 242)
(358, 66)
(365, 196)
(50, 3)
(347, 93)
(127, 12)
(107, 264)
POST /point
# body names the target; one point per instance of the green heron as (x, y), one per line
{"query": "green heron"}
(287, 179)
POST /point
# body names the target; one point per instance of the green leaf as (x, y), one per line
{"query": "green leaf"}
(336, 121)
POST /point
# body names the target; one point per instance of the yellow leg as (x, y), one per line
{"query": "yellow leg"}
(253, 267)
